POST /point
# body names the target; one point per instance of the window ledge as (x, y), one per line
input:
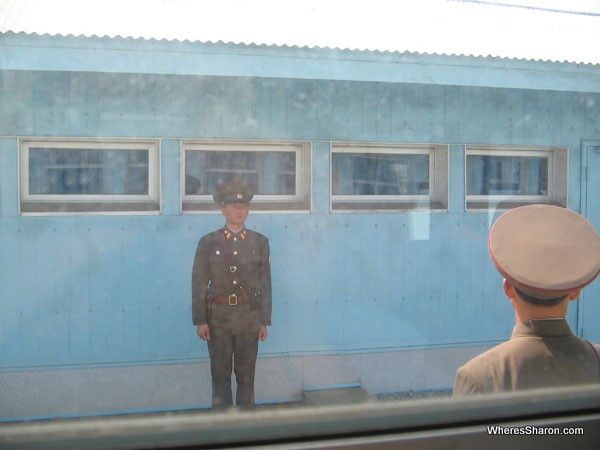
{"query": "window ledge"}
(205, 207)
(88, 207)
(402, 206)
(504, 205)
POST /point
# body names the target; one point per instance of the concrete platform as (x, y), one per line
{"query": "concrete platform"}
(336, 396)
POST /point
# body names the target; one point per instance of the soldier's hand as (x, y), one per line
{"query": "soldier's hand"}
(262, 333)
(203, 332)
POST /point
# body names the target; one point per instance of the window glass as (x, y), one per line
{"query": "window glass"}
(380, 174)
(271, 173)
(507, 175)
(88, 171)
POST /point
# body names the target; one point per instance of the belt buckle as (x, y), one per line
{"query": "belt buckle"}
(235, 302)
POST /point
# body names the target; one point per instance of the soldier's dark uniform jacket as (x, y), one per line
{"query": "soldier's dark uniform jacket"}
(232, 265)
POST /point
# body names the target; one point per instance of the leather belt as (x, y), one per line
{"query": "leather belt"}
(231, 300)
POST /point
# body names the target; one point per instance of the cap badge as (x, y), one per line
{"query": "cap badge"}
(239, 195)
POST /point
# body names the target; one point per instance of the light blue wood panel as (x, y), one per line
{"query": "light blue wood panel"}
(324, 107)
(591, 110)
(278, 117)
(340, 110)
(264, 91)
(308, 103)
(189, 106)
(170, 153)
(8, 179)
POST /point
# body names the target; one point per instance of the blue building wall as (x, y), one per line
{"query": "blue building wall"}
(102, 289)
(112, 290)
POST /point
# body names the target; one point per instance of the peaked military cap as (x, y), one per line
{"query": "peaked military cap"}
(545, 251)
(234, 191)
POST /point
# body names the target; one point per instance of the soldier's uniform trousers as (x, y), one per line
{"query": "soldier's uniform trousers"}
(229, 350)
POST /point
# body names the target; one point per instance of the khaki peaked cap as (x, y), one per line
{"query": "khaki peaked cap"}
(234, 191)
(546, 251)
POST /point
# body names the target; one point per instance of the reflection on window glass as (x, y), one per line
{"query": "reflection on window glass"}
(507, 175)
(380, 174)
(271, 173)
(59, 171)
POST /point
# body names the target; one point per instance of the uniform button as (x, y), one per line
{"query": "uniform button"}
(235, 252)
(234, 282)
(235, 239)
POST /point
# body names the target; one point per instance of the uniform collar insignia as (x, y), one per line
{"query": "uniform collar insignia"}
(229, 234)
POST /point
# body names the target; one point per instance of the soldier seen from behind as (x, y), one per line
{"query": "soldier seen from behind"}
(546, 255)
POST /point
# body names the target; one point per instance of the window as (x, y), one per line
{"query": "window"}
(89, 176)
(279, 171)
(506, 177)
(389, 177)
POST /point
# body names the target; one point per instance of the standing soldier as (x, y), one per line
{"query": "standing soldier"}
(231, 296)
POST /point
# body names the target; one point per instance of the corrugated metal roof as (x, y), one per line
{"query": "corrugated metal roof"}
(451, 27)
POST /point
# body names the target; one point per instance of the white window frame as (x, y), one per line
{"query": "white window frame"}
(558, 168)
(436, 200)
(44, 204)
(299, 202)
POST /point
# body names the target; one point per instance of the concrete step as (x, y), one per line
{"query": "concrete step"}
(336, 396)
